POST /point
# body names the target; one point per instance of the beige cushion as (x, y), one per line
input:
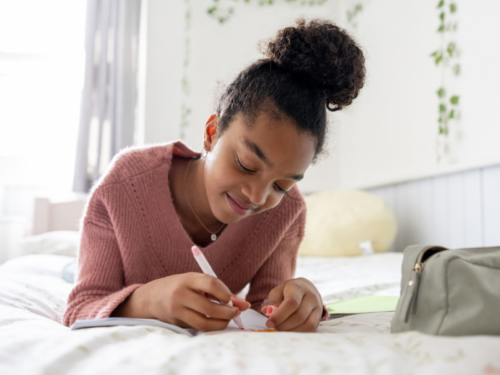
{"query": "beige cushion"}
(337, 221)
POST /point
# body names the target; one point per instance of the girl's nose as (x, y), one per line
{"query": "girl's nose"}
(256, 194)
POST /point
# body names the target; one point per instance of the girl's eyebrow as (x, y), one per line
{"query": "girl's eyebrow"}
(258, 152)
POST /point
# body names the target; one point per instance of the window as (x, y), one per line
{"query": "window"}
(41, 77)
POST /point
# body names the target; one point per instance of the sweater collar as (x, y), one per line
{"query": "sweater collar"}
(180, 149)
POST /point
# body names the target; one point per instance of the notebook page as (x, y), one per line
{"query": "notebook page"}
(252, 321)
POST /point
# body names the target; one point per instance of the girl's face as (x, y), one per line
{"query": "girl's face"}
(249, 169)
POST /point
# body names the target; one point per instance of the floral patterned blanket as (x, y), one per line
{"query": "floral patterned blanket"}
(32, 341)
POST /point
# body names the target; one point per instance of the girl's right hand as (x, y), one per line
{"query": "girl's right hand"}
(182, 300)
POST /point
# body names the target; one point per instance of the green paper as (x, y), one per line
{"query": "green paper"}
(365, 304)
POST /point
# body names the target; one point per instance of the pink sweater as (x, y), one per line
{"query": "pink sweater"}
(131, 235)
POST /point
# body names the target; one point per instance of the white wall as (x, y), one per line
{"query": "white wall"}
(455, 210)
(160, 69)
(389, 134)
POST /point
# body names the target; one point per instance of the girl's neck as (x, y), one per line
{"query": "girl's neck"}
(189, 194)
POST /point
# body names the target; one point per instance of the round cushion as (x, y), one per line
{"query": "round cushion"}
(337, 221)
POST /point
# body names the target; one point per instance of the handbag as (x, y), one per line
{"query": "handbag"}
(449, 292)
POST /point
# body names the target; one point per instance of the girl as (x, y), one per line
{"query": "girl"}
(237, 200)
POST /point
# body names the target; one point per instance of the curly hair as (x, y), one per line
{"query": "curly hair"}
(309, 68)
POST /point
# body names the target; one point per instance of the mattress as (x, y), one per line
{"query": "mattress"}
(33, 341)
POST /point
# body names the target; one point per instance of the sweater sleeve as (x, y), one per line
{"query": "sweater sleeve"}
(100, 280)
(279, 267)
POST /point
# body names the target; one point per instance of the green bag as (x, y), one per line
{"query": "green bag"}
(449, 292)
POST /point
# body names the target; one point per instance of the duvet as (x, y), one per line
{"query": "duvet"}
(33, 341)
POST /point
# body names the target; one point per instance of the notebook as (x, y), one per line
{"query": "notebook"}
(363, 305)
(252, 321)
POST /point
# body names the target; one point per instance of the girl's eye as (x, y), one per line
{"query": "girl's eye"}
(242, 167)
(280, 189)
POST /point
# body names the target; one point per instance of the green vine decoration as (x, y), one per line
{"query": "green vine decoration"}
(353, 12)
(446, 58)
(223, 13)
(185, 86)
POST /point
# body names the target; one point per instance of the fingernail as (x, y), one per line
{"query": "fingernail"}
(249, 304)
(269, 324)
(269, 310)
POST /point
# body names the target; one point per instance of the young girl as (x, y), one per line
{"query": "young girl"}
(237, 200)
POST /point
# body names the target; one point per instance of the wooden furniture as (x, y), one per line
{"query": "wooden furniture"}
(50, 216)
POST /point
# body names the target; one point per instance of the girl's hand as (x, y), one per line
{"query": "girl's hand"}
(182, 300)
(294, 305)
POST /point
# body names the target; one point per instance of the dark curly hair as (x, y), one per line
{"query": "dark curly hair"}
(307, 69)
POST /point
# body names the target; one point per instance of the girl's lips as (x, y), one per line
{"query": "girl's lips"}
(238, 210)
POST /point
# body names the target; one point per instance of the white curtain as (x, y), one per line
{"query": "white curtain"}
(109, 96)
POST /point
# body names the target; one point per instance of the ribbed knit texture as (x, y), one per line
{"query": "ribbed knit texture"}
(131, 235)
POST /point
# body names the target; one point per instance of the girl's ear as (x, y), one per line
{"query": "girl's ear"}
(210, 133)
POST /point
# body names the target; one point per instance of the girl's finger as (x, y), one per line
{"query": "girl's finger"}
(311, 323)
(300, 316)
(291, 303)
(201, 322)
(210, 285)
(204, 306)
(276, 295)
(240, 304)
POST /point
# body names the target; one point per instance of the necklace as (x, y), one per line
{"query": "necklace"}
(213, 236)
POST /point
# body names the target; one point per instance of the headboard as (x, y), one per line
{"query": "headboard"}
(50, 216)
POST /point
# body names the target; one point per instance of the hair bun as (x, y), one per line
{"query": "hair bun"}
(325, 55)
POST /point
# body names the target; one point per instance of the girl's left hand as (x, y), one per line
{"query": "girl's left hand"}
(297, 306)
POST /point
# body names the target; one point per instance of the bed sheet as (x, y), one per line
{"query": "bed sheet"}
(32, 340)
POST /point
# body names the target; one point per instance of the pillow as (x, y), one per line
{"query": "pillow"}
(339, 221)
(69, 271)
(62, 242)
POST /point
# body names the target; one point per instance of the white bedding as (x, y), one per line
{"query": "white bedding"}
(32, 341)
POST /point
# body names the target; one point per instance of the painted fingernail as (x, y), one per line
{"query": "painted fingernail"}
(264, 310)
(269, 310)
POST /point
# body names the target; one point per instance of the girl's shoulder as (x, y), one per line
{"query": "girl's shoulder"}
(292, 204)
(133, 161)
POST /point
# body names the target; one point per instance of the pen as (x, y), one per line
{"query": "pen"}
(207, 270)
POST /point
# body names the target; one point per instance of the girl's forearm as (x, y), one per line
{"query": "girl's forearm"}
(135, 306)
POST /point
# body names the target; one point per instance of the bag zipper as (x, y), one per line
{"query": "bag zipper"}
(411, 290)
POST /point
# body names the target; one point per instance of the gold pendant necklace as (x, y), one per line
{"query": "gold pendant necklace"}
(213, 236)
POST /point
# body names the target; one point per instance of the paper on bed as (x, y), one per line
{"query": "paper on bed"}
(365, 304)
(252, 321)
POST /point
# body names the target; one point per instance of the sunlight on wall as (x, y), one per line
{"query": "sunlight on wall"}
(41, 77)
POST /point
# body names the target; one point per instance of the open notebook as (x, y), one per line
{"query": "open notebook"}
(252, 321)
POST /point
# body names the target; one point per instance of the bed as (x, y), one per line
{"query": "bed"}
(33, 341)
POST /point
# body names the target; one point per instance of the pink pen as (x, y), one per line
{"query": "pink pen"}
(207, 270)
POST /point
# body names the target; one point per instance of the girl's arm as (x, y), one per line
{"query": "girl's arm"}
(99, 285)
(176, 299)
(298, 302)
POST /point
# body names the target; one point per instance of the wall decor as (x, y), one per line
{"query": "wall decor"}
(221, 11)
(447, 60)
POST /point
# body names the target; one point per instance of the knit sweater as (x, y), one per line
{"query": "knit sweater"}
(132, 235)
